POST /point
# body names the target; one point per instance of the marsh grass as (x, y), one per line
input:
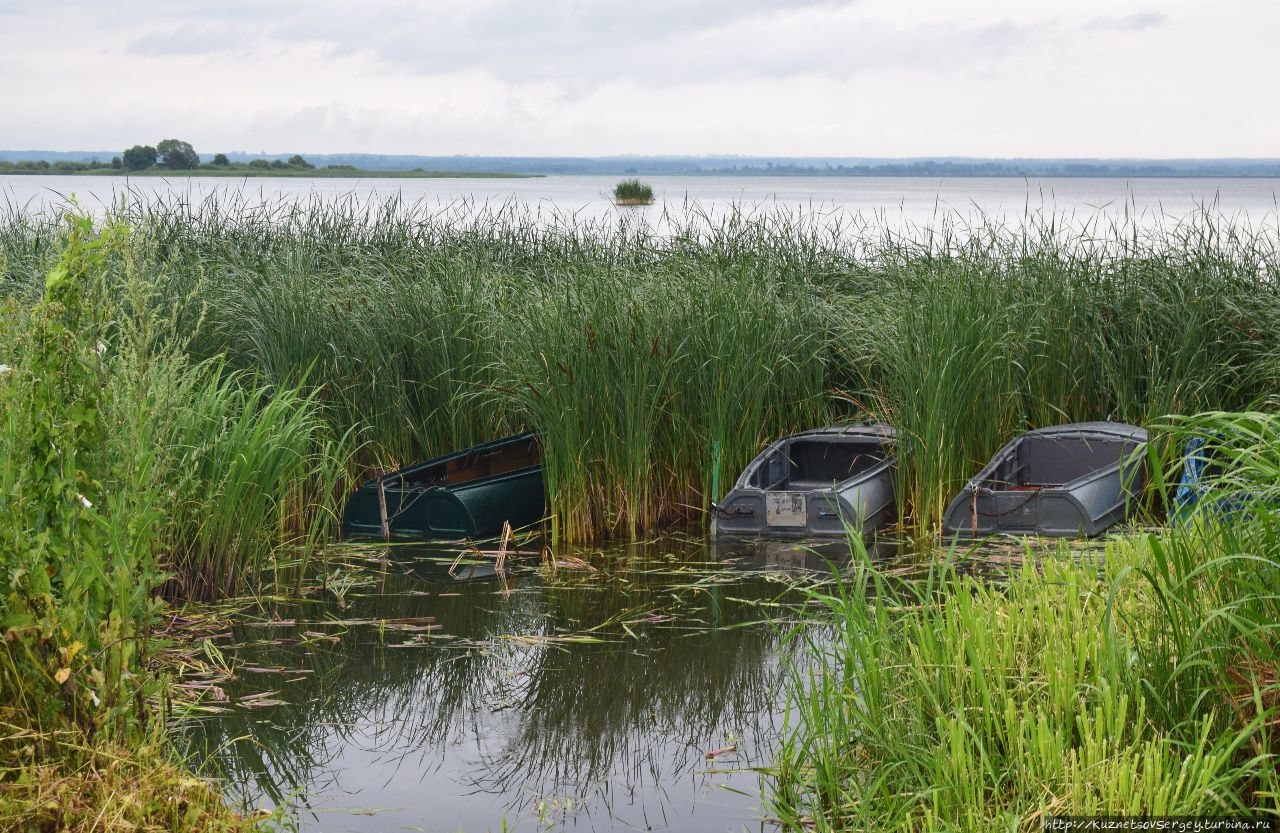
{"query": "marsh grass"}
(1138, 680)
(632, 192)
(637, 349)
(1142, 687)
(125, 466)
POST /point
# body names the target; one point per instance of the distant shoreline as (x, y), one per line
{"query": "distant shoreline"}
(369, 165)
(255, 173)
(321, 173)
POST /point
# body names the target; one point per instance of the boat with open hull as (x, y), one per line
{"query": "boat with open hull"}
(470, 493)
(818, 483)
(1074, 480)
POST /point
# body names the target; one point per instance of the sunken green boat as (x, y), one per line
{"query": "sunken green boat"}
(470, 493)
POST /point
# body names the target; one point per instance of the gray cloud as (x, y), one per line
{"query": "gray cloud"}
(581, 44)
(194, 39)
(1128, 23)
(574, 41)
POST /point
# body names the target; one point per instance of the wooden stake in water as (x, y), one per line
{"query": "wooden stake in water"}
(715, 471)
(500, 565)
(382, 509)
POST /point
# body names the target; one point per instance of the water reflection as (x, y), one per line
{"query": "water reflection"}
(582, 698)
(853, 205)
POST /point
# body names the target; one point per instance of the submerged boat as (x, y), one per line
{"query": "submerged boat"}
(814, 484)
(466, 494)
(1068, 480)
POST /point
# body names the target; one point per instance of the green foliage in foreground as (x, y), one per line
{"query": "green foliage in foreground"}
(126, 469)
(635, 349)
(128, 473)
(1144, 685)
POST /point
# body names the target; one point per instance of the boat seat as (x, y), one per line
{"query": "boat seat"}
(807, 485)
(1025, 487)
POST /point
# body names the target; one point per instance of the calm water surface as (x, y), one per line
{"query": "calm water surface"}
(852, 202)
(574, 699)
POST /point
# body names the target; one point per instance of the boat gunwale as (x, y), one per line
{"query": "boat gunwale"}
(1082, 430)
(413, 468)
(886, 434)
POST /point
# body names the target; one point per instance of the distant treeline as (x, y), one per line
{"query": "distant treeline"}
(174, 157)
(631, 166)
(43, 166)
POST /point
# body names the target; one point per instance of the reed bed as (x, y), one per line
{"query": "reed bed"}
(191, 388)
(655, 360)
(960, 705)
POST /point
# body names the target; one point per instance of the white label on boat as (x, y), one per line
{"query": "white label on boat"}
(785, 509)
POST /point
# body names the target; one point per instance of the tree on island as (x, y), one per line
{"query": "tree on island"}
(139, 157)
(296, 161)
(177, 155)
(221, 160)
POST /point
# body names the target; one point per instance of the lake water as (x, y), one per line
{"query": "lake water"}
(639, 693)
(851, 201)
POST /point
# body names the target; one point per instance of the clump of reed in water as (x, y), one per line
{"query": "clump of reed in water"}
(632, 192)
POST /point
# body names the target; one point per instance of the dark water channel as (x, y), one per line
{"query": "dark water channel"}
(628, 690)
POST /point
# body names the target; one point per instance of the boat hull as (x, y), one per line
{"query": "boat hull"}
(816, 484)
(468, 494)
(1075, 480)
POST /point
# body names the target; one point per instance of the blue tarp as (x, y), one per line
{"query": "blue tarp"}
(1200, 488)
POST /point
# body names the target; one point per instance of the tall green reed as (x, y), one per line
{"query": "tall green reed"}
(948, 702)
(424, 328)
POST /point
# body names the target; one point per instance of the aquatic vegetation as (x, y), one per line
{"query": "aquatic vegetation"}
(605, 686)
(655, 361)
(632, 192)
(186, 384)
(1138, 683)
(78, 570)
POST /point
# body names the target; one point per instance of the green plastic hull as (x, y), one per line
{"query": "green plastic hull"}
(421, 504)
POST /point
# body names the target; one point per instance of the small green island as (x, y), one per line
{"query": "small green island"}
(632, 192)
(174, 157)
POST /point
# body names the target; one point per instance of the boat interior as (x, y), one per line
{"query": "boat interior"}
(468, 467)
(1036, 463)
(808, 464)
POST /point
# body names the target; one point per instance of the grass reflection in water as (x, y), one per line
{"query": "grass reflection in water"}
(591, 692)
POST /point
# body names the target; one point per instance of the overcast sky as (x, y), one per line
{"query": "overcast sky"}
(1149, 78)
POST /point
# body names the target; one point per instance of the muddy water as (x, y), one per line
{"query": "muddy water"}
(630, 690)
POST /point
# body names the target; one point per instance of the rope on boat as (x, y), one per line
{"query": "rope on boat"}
(386, 519)
(974, 512)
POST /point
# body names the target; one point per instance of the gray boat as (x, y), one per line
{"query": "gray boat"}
(814, 484)
(1068, 480)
